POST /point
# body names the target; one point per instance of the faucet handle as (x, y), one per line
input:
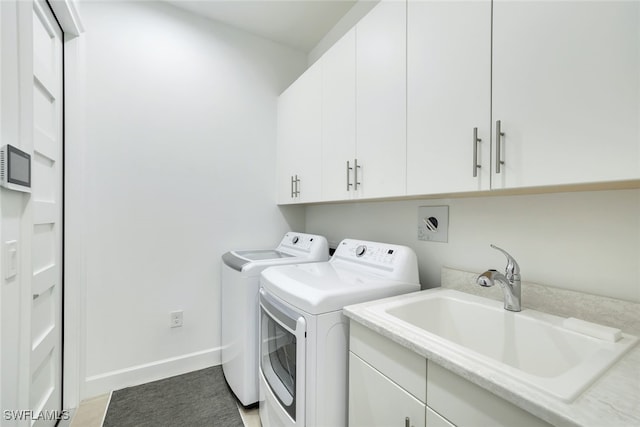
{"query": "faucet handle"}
(512, 265)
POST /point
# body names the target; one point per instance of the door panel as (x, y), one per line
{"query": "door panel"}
(46, 199)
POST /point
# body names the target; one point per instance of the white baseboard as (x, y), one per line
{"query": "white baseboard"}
(140, 374)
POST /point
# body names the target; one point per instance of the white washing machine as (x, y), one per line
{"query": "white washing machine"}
(240, 284)
(304, 335)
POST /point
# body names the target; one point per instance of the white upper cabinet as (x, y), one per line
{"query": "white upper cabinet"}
(566, 90)
(448, 96)
(339, 119)
(299, 139)
(410, 100)
(381, 101)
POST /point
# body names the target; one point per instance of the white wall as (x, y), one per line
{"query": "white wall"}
(177, 167)
(586, 241)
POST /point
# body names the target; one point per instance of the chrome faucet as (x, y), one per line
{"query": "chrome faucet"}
(509, 282)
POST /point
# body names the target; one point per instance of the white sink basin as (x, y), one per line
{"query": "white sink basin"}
(530, 346)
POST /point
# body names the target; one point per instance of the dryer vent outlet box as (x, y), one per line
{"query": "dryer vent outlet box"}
(433, 223)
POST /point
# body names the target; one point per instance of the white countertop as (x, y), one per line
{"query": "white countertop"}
(612, 400)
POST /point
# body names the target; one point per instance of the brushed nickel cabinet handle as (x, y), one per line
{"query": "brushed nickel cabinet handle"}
(292, 192)
(349, 169)
(499, 135)
(476, 140)
(355, 174)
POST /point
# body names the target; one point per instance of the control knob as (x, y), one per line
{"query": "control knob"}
(360, 250)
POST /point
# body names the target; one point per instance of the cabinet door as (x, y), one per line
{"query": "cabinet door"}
(448, 95)
(381, 100)
(374, 400)
(339, 118)
(285, 148)
(463, 403)
(566, 88)
(299, 137)
(435, 420)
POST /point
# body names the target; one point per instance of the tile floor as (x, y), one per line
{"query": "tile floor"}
(92, 411)
(250, 417)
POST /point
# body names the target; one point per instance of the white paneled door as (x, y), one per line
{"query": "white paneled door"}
(46, 197)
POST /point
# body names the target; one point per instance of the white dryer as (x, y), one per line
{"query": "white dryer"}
(240, 284)
(304, 335)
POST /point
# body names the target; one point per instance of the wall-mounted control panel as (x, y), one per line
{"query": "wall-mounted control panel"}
(433, 223)
(15, 169)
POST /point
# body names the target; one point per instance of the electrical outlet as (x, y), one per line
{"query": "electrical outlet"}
(433, 223)
(175, 319)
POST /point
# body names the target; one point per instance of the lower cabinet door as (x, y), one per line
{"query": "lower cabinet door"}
(374, 400)
(466, 404)
(435, 420)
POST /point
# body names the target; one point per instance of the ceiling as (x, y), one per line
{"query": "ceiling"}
(300, 24)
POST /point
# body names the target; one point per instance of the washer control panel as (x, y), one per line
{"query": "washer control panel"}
(301, 243)
(375, 254)
(394, 262)
(382, 254)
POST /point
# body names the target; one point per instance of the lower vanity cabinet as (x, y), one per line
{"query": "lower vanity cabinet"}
(387, 382)
(390, 385)
(376, 401)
